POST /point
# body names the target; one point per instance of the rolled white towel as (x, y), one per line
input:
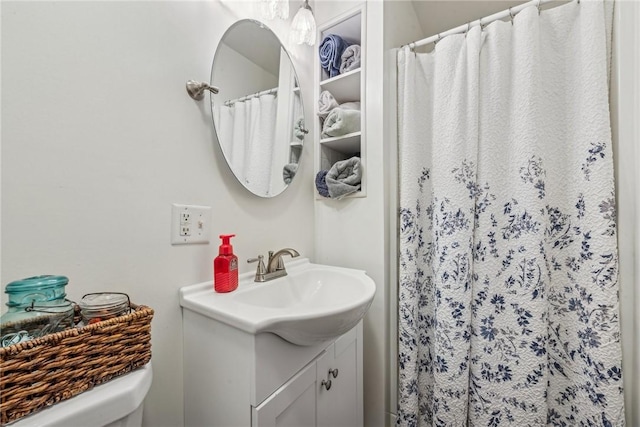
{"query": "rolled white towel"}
(341, 122)
(350, 59)
(326, 103)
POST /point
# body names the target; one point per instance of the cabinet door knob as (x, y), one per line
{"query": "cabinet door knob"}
(326, 384)
(334, 372)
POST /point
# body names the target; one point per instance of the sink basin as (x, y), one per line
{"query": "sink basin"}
(312, 304)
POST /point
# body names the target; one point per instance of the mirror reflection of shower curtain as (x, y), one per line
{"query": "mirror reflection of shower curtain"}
(249, 135)
(287, 117)
(298, 114)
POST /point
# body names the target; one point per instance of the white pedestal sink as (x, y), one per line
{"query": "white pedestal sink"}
(312, 304)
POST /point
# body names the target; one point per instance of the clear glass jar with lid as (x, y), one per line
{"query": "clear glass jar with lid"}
(97, 307)
(36, 307)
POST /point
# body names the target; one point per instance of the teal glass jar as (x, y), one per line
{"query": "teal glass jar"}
(36, 307)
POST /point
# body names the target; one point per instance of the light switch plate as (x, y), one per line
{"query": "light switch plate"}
(190, 224)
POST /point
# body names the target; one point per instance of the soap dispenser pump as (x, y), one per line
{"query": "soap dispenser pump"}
(225, 267)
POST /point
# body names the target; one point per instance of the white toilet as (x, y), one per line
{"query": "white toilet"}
(117, 403)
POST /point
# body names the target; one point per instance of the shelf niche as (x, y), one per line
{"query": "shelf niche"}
(347, 87)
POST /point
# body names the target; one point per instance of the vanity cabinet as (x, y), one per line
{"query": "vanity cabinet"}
(324, 393)
(233, 378)
(346, 87)
(293, 404)
(341, 404)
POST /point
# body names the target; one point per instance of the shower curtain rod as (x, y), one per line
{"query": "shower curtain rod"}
(511, 12)
(244, 98)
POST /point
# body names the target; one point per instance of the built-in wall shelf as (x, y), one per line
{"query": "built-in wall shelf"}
(348, 144)
(346, 87)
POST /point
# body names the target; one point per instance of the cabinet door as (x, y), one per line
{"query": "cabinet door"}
(292, 405)
(339, 406)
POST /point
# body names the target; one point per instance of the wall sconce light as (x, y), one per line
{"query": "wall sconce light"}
(271, 9)
(303, 27)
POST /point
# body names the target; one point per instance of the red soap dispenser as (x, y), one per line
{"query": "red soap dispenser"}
(225, 267)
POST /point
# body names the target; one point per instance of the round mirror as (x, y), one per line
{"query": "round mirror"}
(258, 113)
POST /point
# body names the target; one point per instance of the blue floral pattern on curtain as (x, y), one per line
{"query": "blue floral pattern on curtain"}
(508, 293)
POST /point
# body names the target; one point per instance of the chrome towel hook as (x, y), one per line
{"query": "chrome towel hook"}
(196, 89)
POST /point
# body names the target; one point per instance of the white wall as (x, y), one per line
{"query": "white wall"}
(401, 26)
(350, 232)
(99, 137)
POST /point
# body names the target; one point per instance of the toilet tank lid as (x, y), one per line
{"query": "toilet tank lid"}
(99, 406)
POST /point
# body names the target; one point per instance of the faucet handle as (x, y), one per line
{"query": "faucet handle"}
(261, 270)
(275, 260)
(280, 265)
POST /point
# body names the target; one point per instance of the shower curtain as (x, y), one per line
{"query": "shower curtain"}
(508, 299)
(247, 135)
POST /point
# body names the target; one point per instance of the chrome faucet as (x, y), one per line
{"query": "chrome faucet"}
(275, 265)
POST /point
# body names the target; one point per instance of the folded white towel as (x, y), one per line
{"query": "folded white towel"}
(350, 106)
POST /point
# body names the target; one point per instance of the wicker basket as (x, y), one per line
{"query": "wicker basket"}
(38, 373)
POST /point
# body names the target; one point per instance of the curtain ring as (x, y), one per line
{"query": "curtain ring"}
(511, 16)
(435, 42)
(539, 4)
(468, 28)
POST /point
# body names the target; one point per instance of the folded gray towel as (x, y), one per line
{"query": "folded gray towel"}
(350, 58)
(326, 103)
(340, 122)
(344, 178)
(288, 172)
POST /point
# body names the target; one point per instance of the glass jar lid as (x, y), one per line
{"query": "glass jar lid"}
(36, 283)
(103, 300)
